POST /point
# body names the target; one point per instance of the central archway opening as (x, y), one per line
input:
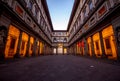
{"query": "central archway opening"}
(60, 49)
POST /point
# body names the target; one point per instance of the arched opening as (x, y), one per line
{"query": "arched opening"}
(60, 49)
(12, 41)
(109, 42)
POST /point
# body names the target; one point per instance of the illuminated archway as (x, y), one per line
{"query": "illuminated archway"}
(89, 46)
(60, 49)
(109, 42)
(41, 48)
(97, 45)
(31, 46)
(24, 44)
(54, 50)
(78, 48)
(37, 49)
(65, 50)
(12, 41)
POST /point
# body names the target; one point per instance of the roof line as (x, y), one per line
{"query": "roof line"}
(75, 6)
(47, 12)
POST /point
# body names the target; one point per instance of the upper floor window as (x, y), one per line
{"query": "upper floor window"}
(102, 10)
(19, 10)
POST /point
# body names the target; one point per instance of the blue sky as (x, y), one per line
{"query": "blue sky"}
(60, 11)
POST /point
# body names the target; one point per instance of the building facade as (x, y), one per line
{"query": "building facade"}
(24, 28)
(93, 29)
(60, 42)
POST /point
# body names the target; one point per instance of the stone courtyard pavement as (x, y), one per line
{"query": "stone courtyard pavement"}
(59, 68)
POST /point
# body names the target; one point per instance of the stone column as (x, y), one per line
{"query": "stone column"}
(39, 49)
(70, 50)
(92, 46)
(57, 50)
(102, 45)
(17, 55)
(34, 47)
(63, 50)
(75, 49)
(44, 49)
(117, 37)
(85, 47)
(28, 47)
(48, 50)
(51, 50)
(3, 41)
